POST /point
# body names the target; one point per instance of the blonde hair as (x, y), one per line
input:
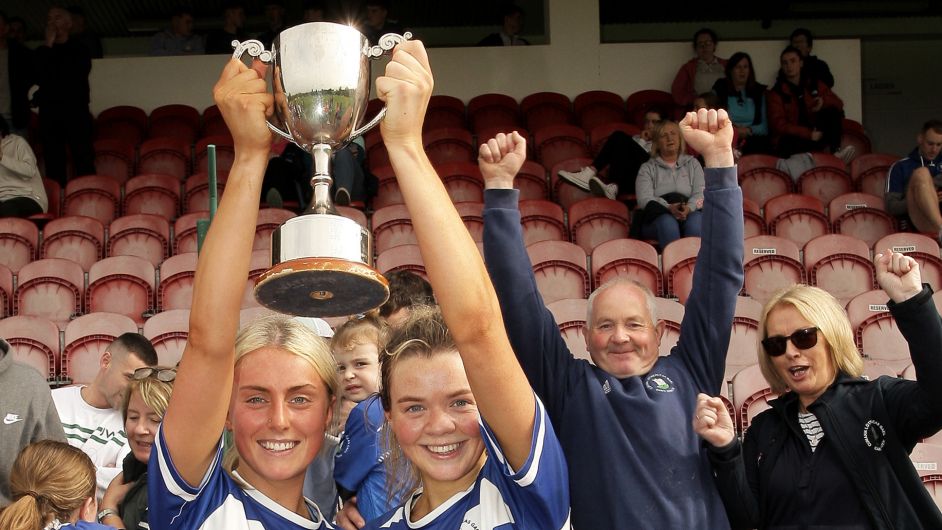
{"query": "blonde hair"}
(424, 334)
(154, 393)
(49, 480)
(823, 311)
(656, 150)
(285, 333)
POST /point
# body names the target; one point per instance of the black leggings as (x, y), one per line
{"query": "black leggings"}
(623, 156)
(19, 207)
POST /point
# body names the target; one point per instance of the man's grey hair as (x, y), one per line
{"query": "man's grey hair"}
(620, 280)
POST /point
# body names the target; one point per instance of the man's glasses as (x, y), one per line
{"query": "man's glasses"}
(162, 374)
(802, 339)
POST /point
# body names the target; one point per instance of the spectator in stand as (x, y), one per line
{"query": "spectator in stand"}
(82, 34)
(377, 21)
(219, 41)
(622, 156)
(91, 414)
(804, 115)
(814, 68)
(833, 450)
(744, 100)
(124, 504)
(30, 414)
(18, 30)
(179, 38)
(914, 184)
(275, 18)
(314, 11)
(512, 18)
(53, 487)
(406, 290)
(22, 193)
(699, 74)
(15, 80)
(62, 68)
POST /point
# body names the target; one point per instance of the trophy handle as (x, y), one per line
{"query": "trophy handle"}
(386, 43)
(257, 50)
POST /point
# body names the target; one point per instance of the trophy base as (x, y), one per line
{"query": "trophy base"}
(321, 287)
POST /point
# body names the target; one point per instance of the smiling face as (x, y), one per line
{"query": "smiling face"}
(435, 420)
(278, 413)
(621, 338)
(141, 426)
(115, 377)
(358, 370)
(808, 372)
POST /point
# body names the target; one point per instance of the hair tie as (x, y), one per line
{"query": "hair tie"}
(33, 494)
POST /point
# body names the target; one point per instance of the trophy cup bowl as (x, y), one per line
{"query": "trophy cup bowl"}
(319, 74)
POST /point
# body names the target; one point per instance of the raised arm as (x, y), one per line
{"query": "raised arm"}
(196, 414)
(454, 266)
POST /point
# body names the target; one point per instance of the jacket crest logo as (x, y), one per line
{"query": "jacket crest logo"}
(874, 435)
(659, 382)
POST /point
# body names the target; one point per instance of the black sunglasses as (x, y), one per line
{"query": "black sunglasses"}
(802, 339)
(162, 374)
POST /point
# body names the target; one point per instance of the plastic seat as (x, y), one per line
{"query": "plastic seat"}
(392, 226)
(168, 331)
(754, 224)
(596, 107)
(751, 394)
(152, 193)
(259, 263)
(114, 157)
(6, 292)
(840, 265)
(597, 220)
(248, 314)
(761, 184)
(175, 290)
(55, 197)
(873, 370)
(76, 238)
(93, 196)
(388, 192)
(225, 153)
(861, 215)
(376, 155)
(927, 459)
(269, 219)
(170, 156)
(184, 232)
(143, 235)
(50, 288)
(921, 248)
(599, 134)
(560, 270)
(448, 145)
(493, 110)
(640, 102)
(825, 183)
(444, 112)
(627, 258)
(567, 194)
(747, 163)
(123, 285)
(796, 217)
(86, 339)
(770, 264)
(463, 181)
(869, 172)
(743, 339)
(213, 122)
(822, 159)
(555, 143)
(542, 221)
(402, 257)
(875, 329)
(472, 214)
(546, 108)
(123, 122)
(570, 315)
(19, 239)
(672, 313)
(34, 341)
(531, 181)
(677, 262)
(858, 139)
(196, 191)
(174, 121)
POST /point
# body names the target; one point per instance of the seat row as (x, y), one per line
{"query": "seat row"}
(121, 159)
(182, 122)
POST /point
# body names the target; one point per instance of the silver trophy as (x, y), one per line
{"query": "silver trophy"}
(319, 74)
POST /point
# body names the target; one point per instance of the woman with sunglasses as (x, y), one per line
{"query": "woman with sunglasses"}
(125, 502)
(833, 450)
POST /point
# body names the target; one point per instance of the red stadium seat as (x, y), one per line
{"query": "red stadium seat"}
(869, 172)
(392, 226)
(642, 101)
(827, 160)
(875, 329)
(743, 339)
(546, 108)
(402, 257)
(353, 213)
(114, 157)
(796, 217)
(752, 217)
(861, 215)
(764, 183)
(174, 121)
(597, 220)
(168, 331)
(19, 239)
(76, 238)
(542, 221)
(825, 183)
(855, 135)
(123, 122)
(196, 191)
(531, 181)
(751, 394)
(570, 315)
(628, 258)
(6, 292)
(176, 282)
(93, 196)
(840, 265)
(672, 313)
(922, 248)
(493, 110)
(213, 123)
(152, 193)
(748, 163)
(34, 341)
(873, 370)
(376, 155)
(143, 235)
(560, 270)
(170, 156)
(86, 339)
(472, 214)
(444, 112)
(600, 134)
(225, 153)
(259, 263)
(567, 194)
(388, 192)
(596, 107)
(123, 285)
(555, 143)
(269, 219)
(184, 231)
(770, 263)
(677, 261)
(463, 181)
(927, 459)
(50, 288)
(248, 314)
(449, 145)
(54, 195)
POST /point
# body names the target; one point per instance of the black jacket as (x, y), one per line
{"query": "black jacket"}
(723, 89)
(870, 427)
(21, 79)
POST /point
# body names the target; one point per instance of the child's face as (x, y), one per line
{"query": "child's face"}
(358, 370)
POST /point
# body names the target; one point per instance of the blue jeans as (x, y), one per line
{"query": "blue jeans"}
(666, 229)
